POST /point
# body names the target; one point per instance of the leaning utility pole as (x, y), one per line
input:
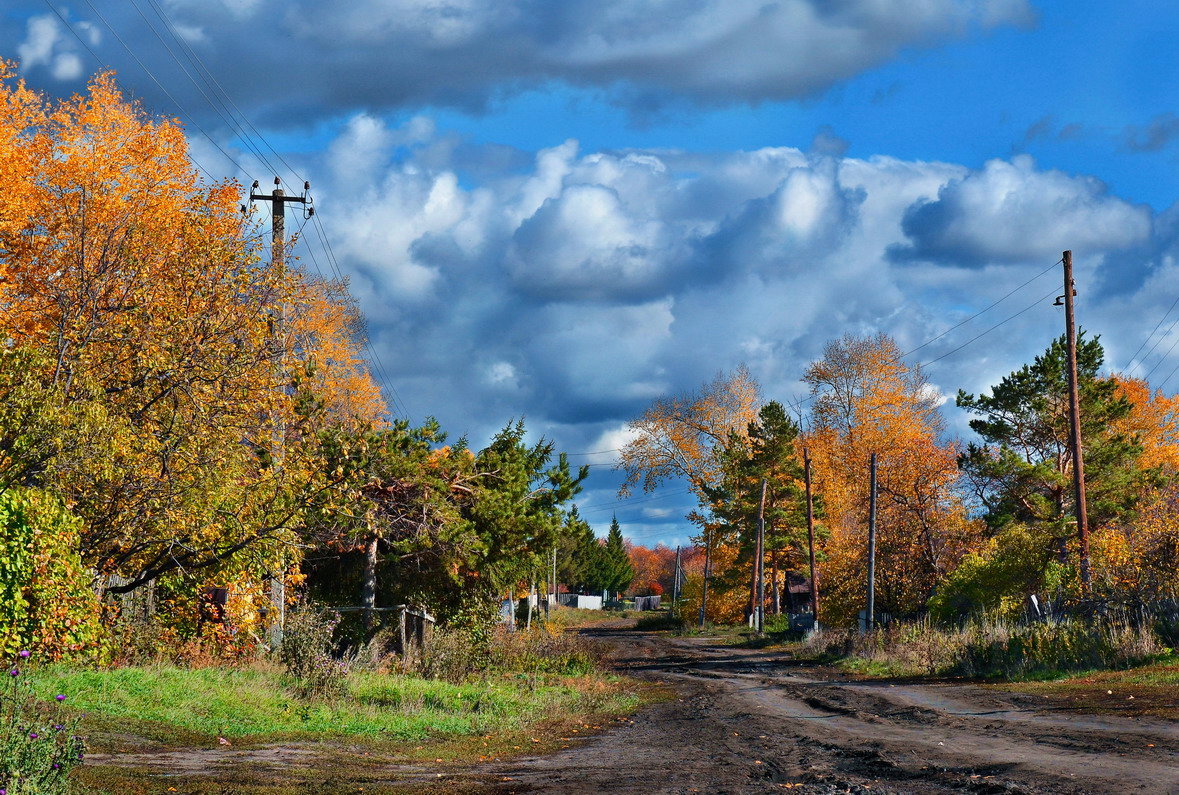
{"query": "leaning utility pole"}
(759, 568)
(1074, 411)
(870, 622)
(810, 532)
(278, 243)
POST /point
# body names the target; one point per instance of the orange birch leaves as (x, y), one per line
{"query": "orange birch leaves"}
(681, 436)
(866, 400)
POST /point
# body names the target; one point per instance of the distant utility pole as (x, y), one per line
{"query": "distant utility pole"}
(704, 585)
(810, 532)
(759, 613)
(675, 580)
(554, 599)
(870, 622)
(278, 242)
(1074, 410)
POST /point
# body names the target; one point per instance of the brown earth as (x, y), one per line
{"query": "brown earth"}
(758, 721)
(733, 721)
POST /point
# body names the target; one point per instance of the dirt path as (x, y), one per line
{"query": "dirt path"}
(755, 721)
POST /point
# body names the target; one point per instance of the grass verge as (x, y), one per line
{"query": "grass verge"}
(242, 730)
(1150, 690)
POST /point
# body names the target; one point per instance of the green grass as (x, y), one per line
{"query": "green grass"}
(251, 702)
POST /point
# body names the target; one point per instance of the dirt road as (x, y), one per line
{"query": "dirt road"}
(756, 721)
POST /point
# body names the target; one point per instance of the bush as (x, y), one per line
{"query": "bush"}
(38, 745)
(306, 652)
(47, 603)
(992, 648)
(452, 655)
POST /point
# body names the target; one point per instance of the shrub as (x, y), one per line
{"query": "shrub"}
(47, 603)
(992, 648)
(306, 652)
(38, 745)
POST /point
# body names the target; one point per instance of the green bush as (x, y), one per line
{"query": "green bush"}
(38, 745)
(1018, 561)
(306, 652)
(47, 601)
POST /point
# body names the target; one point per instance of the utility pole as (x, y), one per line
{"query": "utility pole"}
(704, 585)
(810, 532)
(675, 581)
(278, 242)
(870, 623)
(761, 554)
(554, 599)
(1074, 410)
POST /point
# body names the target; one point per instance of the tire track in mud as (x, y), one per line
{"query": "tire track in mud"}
(757, 721)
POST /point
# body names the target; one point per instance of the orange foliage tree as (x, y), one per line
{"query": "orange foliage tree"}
(867, 400)
(154, 315)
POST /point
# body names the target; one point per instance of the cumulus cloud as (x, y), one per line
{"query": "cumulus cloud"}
(481, 310)
(1012, 212)
(46, 44)
(382, 54)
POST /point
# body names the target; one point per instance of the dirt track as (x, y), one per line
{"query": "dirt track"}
(756, 721)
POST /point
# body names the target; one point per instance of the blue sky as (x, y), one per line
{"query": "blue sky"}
(563, 210)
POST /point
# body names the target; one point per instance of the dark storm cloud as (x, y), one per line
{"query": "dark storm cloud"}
(294, 61)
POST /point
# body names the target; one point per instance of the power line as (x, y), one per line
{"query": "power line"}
(982, 334)
(167, 93)
(1132, 359)
(227, 117)
(981, 311)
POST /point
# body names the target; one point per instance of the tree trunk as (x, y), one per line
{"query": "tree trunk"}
(368, 593)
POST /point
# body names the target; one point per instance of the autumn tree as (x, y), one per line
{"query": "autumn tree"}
(681, 437)
(868, 400)
(654, 569)
(156, 336)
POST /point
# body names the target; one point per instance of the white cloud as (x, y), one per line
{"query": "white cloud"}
(1012, 212)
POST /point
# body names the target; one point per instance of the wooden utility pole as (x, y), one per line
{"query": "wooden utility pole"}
(1074, 411)
(675, 581)
(704, 584)
(810, 533)
(759, 568)
(870, 622)
(554, 599)
(278, 243)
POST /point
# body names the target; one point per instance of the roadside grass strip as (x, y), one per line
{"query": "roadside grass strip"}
(251, 702)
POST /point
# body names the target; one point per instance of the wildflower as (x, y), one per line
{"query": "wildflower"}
(14, 672)
(57, 727)
(59, 697)
(33, 735)
(56, 766)
(25, 654)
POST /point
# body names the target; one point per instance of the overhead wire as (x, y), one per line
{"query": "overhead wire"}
(1133, 363)
(237, 127)
(161, 86)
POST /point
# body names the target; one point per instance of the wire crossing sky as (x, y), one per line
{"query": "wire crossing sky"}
(562, 211)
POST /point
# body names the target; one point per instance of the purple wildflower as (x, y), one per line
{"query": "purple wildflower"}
(57, 727)
(25, 654)
(14, 672)
(59, 697)
(33, 735)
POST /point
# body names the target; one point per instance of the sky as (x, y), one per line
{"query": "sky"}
(562, 211)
